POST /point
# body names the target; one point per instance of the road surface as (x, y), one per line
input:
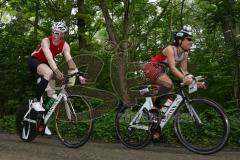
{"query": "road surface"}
(50, 148)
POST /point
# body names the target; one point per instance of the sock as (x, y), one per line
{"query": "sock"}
(157, 102)
(41, 86)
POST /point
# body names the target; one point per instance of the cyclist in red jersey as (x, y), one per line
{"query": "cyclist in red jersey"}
(155, 69)
(177, 53)
(42, 63)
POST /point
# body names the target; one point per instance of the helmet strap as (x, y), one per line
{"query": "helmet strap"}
(180, 45)
(185, 50)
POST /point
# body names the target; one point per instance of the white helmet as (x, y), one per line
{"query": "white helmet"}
(59, 27)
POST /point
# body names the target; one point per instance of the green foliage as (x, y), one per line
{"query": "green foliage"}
(149, 32)
(8, 124)
(235, 129)
(104, 128)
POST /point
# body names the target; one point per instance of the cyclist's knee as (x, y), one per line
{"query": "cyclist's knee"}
(48, 75)
(169, 86)
(50, 93)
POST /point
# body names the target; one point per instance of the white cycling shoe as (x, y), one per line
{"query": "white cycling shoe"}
(37, 106)
(47, 131)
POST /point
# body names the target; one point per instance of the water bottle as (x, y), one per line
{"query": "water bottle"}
(167, 104)
(50, 102)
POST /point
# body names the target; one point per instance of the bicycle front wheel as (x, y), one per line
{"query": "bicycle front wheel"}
(204, 132)
(74, 121)
(137, 135)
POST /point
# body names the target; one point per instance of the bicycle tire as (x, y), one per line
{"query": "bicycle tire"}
(22, 125)
(207, 138)
(75, 131)
(134, 138)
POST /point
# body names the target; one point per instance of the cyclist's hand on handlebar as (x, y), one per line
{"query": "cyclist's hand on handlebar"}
(59, 75)
(82, 80)
(187, 80)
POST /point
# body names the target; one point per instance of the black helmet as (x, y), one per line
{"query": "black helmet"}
(180, 35)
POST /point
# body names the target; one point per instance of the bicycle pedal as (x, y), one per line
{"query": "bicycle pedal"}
(155, 132)
(156, 136)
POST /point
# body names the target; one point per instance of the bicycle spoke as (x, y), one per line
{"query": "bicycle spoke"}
(206, 137)
(136, 135)
(74, 123)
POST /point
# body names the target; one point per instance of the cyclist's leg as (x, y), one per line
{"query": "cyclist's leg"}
(37, 67)
(51, 88)
(50, 92)
(157, 75)
(165, 83)
(46, 74)
(45, 71)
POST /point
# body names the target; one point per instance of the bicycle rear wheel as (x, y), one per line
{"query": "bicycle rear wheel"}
(26, 130)
(208, 137)
(74, 124)
(135, 136)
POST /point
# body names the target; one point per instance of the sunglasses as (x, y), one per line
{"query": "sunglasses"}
(57, 33)
(189, 39)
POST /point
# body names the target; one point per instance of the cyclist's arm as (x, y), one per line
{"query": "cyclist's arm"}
(184, 64)
(171, 62)
(71, 64)
(68, 57)
(48, 54)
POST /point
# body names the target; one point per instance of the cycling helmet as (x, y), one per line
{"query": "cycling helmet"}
(181, 34)
(59, 27)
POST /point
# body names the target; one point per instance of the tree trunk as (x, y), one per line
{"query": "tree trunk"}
(81, 25)
(182, 15)
(231, 31)
(119, 60)
(36, 21)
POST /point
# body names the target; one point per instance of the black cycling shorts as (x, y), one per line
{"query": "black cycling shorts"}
(34, 63)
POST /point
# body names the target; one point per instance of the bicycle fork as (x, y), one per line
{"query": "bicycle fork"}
(193, 113)
(69, 108)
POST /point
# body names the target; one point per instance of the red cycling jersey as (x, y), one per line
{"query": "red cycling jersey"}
(38, 53)
(158, 58)
(163, 58)
(153, 71)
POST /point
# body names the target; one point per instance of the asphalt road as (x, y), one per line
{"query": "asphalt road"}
(50, 148)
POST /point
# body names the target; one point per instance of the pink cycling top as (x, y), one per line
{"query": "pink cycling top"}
(162, 58)
(38, 53)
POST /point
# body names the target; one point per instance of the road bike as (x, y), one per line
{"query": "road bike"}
(200, 124)
(73, 118)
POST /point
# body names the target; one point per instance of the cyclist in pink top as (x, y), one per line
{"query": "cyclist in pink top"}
(42, 62)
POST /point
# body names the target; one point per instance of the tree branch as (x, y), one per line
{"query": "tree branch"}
(126, 19)
(109, 22)
(182, 13)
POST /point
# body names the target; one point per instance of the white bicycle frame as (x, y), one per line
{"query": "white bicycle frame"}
(148, 105)
(68, 108)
